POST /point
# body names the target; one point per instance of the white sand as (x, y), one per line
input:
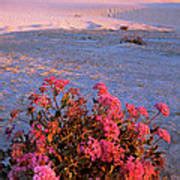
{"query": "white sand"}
(23, 15)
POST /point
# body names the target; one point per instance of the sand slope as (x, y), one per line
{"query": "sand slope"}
(21, 15)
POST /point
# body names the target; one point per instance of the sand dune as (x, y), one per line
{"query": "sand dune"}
(21, 15)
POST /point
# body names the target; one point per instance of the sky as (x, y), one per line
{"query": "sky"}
(88, 1)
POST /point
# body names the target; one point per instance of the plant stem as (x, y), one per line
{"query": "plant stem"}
(154, 117)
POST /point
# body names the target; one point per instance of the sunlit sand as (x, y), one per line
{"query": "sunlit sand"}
(32, 15)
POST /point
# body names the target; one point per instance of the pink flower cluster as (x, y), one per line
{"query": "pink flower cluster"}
(164, 134)
(37, 136)
(102, 89)
(104, 150)
(40, 100)
(44, 173)
(136, 111)
(132, 110)
(111, 152)
(143, 130)
(163, 109)
(56, 84)
(149, 170)
(93, 149)
(110, 128)
(143, 111)
(27, 162)
(134, 168)
(111, 103)
(138, 170)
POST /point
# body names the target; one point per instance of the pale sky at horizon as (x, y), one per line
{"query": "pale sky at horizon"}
(88, 1)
